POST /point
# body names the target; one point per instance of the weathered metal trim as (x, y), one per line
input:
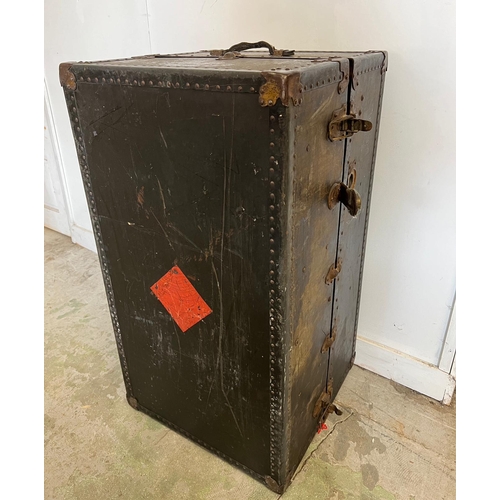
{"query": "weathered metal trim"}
(282, 86)
(66, 76)
(84, 168)
(368, 70)
(276, 293)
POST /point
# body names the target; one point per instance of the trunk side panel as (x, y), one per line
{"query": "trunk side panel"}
(313, 233)
(182, 180)
(365, 103)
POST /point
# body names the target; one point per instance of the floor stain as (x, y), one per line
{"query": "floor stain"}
(353, 432)
(369, 473)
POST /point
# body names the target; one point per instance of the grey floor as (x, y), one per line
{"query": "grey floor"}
(389, 443)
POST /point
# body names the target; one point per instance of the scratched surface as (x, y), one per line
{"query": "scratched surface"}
(181, 182)
(317, 165)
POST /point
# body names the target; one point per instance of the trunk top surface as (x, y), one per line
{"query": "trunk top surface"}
(254, 61)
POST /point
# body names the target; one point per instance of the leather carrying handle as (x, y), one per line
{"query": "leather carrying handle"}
(273, 51)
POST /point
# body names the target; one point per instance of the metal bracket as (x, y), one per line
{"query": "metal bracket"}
(324, 406)
(332, 273)
(342, 126)
(329, 341)
(323, 401)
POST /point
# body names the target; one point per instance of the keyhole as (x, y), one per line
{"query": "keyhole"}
(351, 179)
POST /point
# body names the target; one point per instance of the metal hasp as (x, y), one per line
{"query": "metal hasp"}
(342, 126)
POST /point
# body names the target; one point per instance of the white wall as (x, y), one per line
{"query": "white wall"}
(409, 278)
(83, 30)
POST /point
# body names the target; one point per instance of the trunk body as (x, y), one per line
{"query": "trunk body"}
(233, 276)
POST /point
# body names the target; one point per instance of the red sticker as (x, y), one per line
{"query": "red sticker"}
(180, 299)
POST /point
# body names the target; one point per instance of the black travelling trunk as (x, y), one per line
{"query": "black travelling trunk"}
(229, 195)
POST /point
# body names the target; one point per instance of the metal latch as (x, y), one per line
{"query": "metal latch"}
(324, 407)
(343, 125)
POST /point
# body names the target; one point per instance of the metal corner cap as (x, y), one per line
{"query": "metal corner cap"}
(284, 86)
(67, 78)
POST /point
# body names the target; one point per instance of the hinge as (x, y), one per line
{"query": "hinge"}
(343, 125)
(332, 273)
(329, 341)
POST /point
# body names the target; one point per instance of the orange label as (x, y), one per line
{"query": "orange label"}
(180, 299)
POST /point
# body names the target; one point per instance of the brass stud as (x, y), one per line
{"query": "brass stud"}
(88, 78)
(134, 82)
(207, 86)
(252, 89)
(169, 84)
(96, 80)
(143, 82)
(118, 80)
(197, 86)
(103, 80)
(228, 87)
(177, 85)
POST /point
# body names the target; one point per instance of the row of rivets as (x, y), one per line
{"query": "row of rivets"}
(165, 83)
(82, 157)
(367, 70)
(274, 303)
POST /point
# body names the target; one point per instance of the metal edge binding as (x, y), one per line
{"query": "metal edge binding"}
(277, 352)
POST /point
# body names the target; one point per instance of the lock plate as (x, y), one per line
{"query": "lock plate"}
(343, 125)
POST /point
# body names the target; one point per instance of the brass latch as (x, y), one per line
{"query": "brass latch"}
(324, 406)
(343, 125)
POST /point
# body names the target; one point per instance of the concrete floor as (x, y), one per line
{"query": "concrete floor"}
(390, 443)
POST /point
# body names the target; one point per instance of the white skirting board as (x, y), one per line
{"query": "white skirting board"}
(405, 370)
(83, 237)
